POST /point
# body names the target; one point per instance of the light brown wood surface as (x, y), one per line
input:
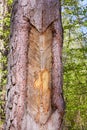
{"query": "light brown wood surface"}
(39, 75)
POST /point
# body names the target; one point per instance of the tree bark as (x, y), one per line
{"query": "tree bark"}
(34, 90)
(3, 9)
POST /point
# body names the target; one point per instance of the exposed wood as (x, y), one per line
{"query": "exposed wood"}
(39, 75)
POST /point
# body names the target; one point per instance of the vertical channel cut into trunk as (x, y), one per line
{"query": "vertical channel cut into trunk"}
(39, 75)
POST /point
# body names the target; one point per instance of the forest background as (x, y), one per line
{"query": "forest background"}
(74, 19)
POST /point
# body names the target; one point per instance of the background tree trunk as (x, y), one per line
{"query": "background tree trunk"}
(3, 9)
(34, 90)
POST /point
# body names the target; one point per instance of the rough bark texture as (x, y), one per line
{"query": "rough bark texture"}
(34, 90)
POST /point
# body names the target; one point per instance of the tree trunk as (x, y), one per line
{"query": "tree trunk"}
(34, 90)
(3, 9)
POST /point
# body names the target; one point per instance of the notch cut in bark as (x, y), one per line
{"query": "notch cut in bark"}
(39, 75)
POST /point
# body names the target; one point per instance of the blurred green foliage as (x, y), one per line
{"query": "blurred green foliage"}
(74, 17)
